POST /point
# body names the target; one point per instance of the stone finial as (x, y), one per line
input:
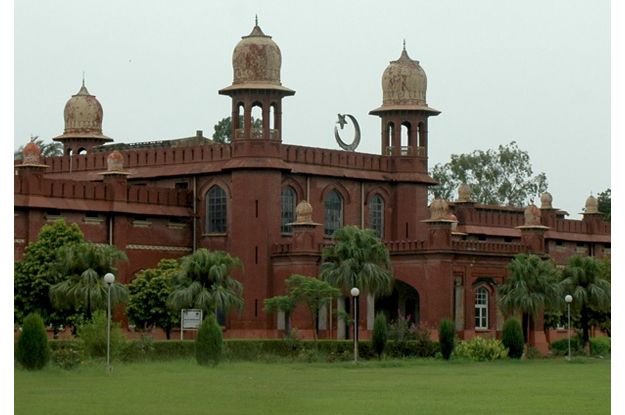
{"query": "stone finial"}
(32, 154)
(532, 216)
(545, 201)
(115, 162)
(464, 193)
(592, 205)
(454, 222)
(439, 210)
(303, 212)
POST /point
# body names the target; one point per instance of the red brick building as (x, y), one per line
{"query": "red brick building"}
(165, 199)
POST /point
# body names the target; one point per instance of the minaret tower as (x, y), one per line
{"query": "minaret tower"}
(256, 63)
(83, 124)
(404, 111)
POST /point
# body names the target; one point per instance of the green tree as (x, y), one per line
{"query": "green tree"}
(84, 265)
(504, 177)
(530, 288)
(313, 293)
(205, 282)
(32, 349)
(582, 279)
(605, 204)
(380, 334)
(47, 149)
(148, 302)
(357, 259)
(209, 342)
(223, 129)
(285, 304)
(34, 275)
(512, 337)
(447, 337)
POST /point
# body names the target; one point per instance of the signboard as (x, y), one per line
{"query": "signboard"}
(190, 320)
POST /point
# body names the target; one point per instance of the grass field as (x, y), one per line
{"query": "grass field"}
(552, 386)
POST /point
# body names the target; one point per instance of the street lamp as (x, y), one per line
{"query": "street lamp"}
(108, 280)
(568, 300)
(355, 292)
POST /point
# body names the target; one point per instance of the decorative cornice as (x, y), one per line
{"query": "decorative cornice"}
(159, 248)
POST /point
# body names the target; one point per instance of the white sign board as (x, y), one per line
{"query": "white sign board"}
(190, 320)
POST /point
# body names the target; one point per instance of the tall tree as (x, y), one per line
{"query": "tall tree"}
(47, 149)
(582, 279)
(530, 288)
(223, 129)
(605, 204)
(357, 259)
(504, 177)
(84, 265)
(34, 275)
(205, 282)
(149, 292)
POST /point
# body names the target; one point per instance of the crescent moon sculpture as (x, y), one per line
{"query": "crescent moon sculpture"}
(342, 122)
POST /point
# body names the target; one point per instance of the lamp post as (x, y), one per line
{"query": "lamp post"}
(568, 300)
(108, 280)
(355, 292)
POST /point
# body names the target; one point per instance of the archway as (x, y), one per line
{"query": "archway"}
(404, 300)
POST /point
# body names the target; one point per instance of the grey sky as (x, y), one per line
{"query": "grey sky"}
(537, 72)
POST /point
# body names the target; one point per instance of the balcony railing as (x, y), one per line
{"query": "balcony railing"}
(256, 133)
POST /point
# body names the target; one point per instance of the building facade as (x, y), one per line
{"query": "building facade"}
(275, 205)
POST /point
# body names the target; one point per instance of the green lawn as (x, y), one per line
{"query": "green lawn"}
(392, 387)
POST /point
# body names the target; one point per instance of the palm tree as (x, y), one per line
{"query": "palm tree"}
(357, 259)
(84, 266)
(204, 282)
(530, 287)
(582, 280)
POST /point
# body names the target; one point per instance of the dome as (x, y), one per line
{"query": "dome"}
(592, 205)
(532, 216)
(303, 212)
(256, 59)
(32, 153)
(545, 201)
(115, 161)
(83, 117)
(439, 209)
(404, 82)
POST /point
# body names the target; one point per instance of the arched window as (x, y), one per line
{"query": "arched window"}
(216, 212)
(481, 308)
(376, 215)
(333, 213)
(288, 209)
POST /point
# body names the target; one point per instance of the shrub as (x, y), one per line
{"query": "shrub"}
(67, 357)
(94, 336)
(598, 346)
(447, 337)
(139, 350)
(380, 334)
(481, 349)
(512, 337)
(33, 351)
(209, 342)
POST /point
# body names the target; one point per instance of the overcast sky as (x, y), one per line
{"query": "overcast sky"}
(537, 72)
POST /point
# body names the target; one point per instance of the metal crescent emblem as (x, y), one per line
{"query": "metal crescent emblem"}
(342, 122)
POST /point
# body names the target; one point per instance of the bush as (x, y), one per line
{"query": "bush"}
(380, 334)
(139, 350)
(94, 336)
(209, 342)
(598, 346)
(447, 337)
(67, 357)
(481, 349)
(512, 337)
(33, 351)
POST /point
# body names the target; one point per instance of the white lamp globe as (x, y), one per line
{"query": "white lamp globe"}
(568, 298)
(109, 278)
(355, 292)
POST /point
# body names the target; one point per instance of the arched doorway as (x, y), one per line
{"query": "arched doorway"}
(404, 300)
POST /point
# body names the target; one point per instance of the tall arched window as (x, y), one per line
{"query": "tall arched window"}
(481, 308)
(333, 213)
(376, 215)
(216, 210)
(288, 209)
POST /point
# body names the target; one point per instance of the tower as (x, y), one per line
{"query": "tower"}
(83, 124)
(404, 111)
(256, 62)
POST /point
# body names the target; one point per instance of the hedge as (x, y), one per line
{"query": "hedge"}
(598, 346)
(254, 350)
